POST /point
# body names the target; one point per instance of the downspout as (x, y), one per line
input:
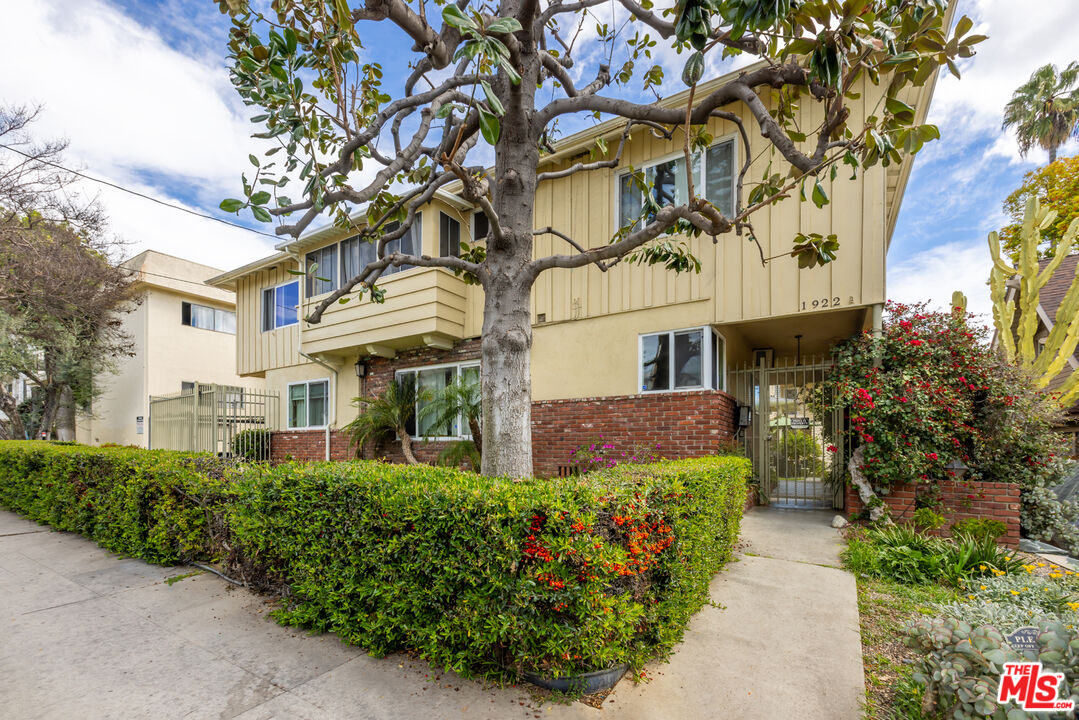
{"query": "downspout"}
(333, 395)
(878, 333)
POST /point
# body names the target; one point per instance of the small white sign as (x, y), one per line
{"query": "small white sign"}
(139, 424)
(800, 423)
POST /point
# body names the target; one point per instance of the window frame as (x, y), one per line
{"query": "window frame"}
(262, 302)
(445, 223)
(699, 184)
(307, 404)
(473, 231)
(708, 362)
(311, 278)
(462, 422)
(189, 306)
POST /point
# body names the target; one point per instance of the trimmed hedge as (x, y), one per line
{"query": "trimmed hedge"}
(480, 575)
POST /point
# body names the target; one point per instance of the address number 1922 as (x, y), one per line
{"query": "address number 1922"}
(820, 303)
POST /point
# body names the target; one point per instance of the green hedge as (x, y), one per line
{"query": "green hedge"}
(480, 575)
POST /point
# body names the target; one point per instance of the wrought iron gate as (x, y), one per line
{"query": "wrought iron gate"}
(208, 418)
(795, 436)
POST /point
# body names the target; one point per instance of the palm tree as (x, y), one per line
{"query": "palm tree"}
(388, 414)
(1045, 109)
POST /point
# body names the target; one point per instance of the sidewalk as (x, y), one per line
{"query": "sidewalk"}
(87, 634)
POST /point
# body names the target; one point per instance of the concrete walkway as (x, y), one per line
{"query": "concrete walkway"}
(89, 635)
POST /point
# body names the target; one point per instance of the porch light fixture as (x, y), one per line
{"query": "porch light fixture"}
(361, 369)
(956, 468)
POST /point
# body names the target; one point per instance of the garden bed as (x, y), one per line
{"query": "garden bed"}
(484, 576)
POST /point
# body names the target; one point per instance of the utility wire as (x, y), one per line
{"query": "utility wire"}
(136, 193)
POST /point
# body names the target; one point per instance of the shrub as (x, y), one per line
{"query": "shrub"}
(927, 519)
(600, 455)
(980, 528)
(252, 445)
(481, 575)
(151, 504)
(796, 454)
(1011, 600)
(902, 554)
(962, 665)
(939, 393)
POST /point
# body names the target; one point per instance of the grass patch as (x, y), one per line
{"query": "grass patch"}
(883, 607)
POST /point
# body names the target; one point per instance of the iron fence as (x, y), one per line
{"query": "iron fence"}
(795, 436)
(220, 419)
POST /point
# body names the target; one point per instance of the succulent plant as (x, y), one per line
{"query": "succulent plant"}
(962, 665)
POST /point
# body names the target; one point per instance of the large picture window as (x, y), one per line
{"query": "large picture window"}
(432, 380)
(713, 175)
(357, 253)
(308, 403)
(690, 359)
(410, 243)
(208, 318)
(280, 305)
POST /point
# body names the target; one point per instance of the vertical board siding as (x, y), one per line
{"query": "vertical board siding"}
(584, 205)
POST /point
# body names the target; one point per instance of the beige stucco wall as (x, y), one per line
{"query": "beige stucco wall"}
(165, 352)
(586, 322)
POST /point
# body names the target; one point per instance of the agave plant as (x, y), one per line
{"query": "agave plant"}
(386, 415)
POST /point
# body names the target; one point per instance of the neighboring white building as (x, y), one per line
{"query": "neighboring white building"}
(183, 331)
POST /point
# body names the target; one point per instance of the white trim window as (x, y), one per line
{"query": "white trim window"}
(308, 404)
(280, 305)
(713, 172)
(687, 359)
(434, 378)
(207, 318)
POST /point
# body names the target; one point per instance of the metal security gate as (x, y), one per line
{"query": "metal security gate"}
(795, 436)
(219, 419)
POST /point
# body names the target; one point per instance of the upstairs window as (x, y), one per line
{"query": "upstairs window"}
(449, 236)
(208, 318)
(280, 305)
(322, 271)
(713, 176)
(409, 244)
(356, 254)
(691, 359)
(481, 226)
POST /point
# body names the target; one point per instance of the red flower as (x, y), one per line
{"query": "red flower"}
(832, 449)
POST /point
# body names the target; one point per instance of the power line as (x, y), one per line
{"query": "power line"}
(91, 178)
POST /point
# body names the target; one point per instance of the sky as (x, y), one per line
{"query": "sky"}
(140, 90)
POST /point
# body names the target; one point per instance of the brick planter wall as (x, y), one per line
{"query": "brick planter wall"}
(683, 424)
(687, 424)
(961, 500)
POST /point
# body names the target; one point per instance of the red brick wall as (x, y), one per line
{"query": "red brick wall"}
(960, 500)
(683, 424)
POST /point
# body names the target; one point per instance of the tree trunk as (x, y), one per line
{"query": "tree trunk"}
(406, 446)
(477, 433)
(65, 414)
(1052, 154)
(877, 508)
(506, 344)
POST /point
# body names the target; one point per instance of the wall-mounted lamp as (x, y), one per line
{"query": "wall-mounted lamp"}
(956, 468)
(361, 369)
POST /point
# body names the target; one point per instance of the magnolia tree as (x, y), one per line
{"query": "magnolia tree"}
(485, 79)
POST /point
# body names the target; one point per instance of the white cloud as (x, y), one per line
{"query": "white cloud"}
(933, 275)
(1023, 36)
(136, 111)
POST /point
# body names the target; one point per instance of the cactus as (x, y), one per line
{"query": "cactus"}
(1019, 347)
(959, 300)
